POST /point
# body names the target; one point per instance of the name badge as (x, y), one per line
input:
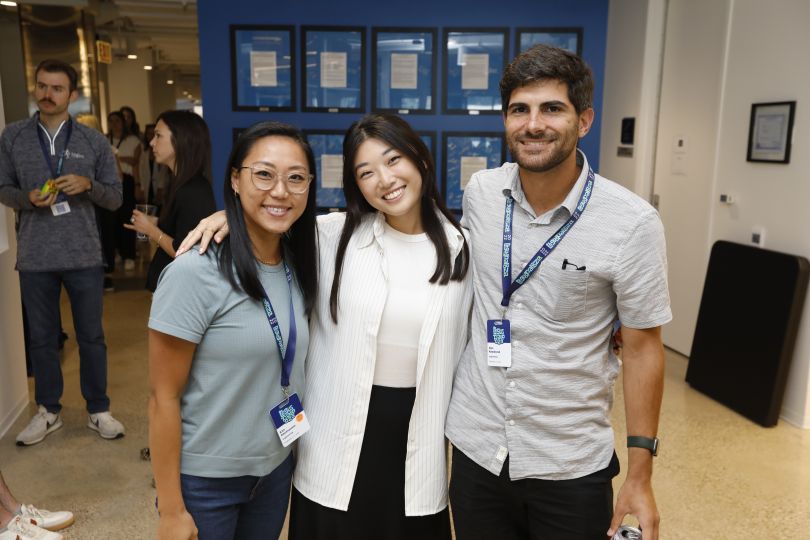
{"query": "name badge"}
(61, 208)
(289, 419)
(499, 343)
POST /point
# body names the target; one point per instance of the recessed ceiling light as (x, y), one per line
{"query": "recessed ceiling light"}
(8, 3)
(132, 56)
(147, 68)
(169, 81)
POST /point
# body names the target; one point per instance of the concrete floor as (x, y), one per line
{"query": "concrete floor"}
(718, 475)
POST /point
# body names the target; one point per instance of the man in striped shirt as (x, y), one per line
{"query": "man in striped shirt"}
(559, 254)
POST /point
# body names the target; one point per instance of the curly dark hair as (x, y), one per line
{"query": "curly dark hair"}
(543, 62)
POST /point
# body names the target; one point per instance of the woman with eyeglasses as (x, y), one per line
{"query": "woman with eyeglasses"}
(227, 342)
(388, 328)
(181, 143)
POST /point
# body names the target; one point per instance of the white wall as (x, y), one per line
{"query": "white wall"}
(13, 383)
(627, 26)
(129, 84)
(632, 87)
(691, 94)
(768, 61)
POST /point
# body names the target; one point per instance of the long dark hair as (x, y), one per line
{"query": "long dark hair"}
(134, 129)
(192, 152)
(397, 133)
(299, 244)
(116, 114)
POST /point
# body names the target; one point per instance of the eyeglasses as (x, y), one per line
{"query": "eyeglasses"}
(265, 178)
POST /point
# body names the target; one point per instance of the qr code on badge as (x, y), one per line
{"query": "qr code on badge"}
(287, 414)
(498, 336)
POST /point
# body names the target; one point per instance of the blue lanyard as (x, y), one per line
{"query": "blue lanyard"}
(42, 144)
(509, 287)
(288, 354)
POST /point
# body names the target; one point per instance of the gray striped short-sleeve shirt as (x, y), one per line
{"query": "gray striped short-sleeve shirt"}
(549, 412)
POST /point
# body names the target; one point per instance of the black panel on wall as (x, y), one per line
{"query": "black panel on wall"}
(746, 329)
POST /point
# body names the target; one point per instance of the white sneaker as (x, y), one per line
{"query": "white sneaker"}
(39, 427)
(129, 264)
(107, 426)
(21, 529)
(52, 521)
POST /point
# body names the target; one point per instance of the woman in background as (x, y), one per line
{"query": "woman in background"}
(181, 143)
(127, 150)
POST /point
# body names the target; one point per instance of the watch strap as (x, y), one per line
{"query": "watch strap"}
(650, 444)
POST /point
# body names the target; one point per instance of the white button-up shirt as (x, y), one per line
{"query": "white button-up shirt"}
(340, 371)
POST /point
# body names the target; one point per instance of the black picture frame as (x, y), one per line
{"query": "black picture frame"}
(243, 98)
(452, 85)
(770, 132)
(452, 192)
(377, 84)
(558, 37)
(327, 199)
(332, 98)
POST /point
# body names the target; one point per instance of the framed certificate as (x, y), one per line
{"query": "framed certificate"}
(327, 145)
(334, 66)
(466, 153)
(474, 59)
(262, 68)
(771, 131)
(403, 73)
(564, 38)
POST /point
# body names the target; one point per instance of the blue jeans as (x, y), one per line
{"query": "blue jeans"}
(243, 508)
(40, 293)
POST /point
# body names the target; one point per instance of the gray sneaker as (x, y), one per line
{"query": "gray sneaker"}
(39, 427)
(107, 426)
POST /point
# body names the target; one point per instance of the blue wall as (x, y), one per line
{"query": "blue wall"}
(215, 18)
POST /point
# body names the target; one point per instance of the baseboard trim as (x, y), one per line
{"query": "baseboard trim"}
(13, 414)
(795, 418)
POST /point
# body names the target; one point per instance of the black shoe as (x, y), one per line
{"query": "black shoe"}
(108, 284)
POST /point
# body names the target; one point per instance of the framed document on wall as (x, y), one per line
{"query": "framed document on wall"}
(770, 132)
(564, 38)
(327, 145)
(403, 78)
(473, 62)
(262, 68)
(466, 153)
(334, 67)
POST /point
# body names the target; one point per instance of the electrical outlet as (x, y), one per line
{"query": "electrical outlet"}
(758, 236)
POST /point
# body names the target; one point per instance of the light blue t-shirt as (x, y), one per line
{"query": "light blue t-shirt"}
(235, 376)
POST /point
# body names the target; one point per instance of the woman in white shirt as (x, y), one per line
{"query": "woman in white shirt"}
(127, 150)
(388, 327)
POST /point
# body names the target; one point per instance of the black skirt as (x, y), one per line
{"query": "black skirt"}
(377, 505)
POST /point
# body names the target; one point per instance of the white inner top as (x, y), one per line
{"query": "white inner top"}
(411, 260)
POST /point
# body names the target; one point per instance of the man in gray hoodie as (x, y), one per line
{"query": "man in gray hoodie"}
(53, 171)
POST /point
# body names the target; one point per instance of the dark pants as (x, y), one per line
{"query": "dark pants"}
(126, 237)
(244, 508)
(108, 225)
(486, 506)
(377, 505)
(40, 294)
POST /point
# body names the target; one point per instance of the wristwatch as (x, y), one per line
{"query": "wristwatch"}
(650, 444)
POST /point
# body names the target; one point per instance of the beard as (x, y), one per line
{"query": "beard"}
(559, 147)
